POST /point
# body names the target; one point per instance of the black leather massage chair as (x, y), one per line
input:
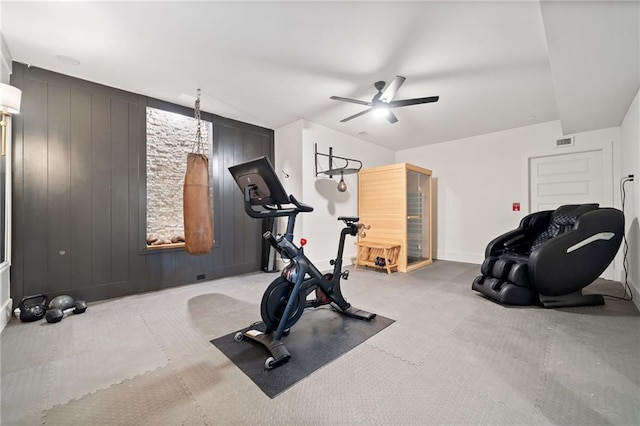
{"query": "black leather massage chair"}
(551, 257)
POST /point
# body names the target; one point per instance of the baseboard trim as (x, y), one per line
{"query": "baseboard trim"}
(6, 312)
(635, 292)
(618, 275)
(459, 257)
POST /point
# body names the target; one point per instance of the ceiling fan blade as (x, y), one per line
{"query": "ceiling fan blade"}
(356, 115)
(391, 117)
(353, 101)
(416, 101)
(392, 88)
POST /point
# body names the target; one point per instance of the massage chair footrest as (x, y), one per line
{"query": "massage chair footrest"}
(504, 292)
(571, 300)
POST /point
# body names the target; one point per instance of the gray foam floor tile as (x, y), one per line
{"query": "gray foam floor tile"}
(187, 326)
(27, 344)
(156, 397)
(585, 384)
(23, 395)
(223, 393)
(454, 387)
(451, 357)
(75, 376)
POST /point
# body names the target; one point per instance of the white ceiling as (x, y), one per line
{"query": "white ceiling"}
(495, 65)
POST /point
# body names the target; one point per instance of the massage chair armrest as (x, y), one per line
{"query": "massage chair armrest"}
(579, 255)
(530, 226)
(496, 246)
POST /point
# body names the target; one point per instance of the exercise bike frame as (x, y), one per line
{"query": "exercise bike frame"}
(308, 277)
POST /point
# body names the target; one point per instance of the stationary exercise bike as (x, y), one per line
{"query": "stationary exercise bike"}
(285, 299)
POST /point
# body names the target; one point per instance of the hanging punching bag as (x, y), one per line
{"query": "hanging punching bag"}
(198, 227)
(196, 202)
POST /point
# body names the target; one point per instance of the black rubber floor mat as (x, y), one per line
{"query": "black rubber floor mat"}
(321, 336)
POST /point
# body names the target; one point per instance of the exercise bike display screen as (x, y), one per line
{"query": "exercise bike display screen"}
(259, 173)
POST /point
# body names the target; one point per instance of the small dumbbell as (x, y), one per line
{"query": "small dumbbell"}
(56, 314)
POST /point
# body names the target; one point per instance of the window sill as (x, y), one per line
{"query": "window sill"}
(165, 246)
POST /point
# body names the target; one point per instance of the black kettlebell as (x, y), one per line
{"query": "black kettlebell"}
(33, 308)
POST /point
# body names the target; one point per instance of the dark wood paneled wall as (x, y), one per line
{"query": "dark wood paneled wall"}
(79, 193)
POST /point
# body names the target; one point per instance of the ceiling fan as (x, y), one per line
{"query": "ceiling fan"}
(382, 102)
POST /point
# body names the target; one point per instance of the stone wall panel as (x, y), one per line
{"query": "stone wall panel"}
(170, 137)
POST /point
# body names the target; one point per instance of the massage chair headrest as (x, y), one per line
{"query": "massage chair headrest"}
(567, 215)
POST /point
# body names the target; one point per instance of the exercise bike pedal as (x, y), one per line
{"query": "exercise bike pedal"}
(345, 275)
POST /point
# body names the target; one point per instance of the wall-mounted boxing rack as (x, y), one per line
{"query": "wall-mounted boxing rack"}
(333, 170)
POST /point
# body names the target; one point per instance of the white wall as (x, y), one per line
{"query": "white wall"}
(477, 179)
(5, 296)
(630, 135)
(294, 152)
(288, 165)
(288, 156)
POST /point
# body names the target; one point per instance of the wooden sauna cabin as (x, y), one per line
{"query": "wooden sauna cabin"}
(395, 202)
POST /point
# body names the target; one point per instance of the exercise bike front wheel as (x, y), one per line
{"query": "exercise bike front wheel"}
(275, 300)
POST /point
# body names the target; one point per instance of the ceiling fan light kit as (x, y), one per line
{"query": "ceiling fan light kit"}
(380, 112)
(382, 102)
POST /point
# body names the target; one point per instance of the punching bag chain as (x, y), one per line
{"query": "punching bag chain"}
(198, 148)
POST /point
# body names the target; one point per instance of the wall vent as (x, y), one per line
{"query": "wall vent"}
(565, 141)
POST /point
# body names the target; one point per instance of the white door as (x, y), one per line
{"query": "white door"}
(575, 178)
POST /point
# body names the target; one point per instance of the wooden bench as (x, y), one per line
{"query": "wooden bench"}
(368, 251)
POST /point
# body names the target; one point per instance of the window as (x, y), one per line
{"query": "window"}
(170, 137)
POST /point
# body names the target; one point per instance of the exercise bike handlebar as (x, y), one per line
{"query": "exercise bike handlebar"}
(301, 207)
(283, 246)
(272, 210)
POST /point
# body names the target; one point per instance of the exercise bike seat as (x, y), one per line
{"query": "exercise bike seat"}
(349, 219)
